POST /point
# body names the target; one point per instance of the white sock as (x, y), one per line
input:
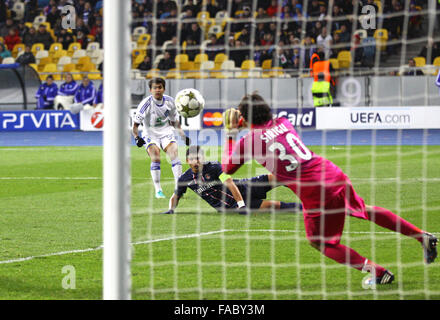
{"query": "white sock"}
(155, 175)
(176, 166)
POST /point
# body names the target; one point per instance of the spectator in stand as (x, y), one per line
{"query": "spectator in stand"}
(238, 53)
(4, 31)
(12, 39)
(48, 8)
(44, 37)
(313, 9)
(53, 15)
(357, 51)
(83, 39)
(412, 70)
(344, 35)
(273, 10)
(192, 49)
(194, 32)
(85, 95)
(46, 94)
(282, 57)
(65, 38)
(81, 26)
(325, 40)
(214, 47)
(30, 10)
(98, 101)
(433, 48)
(26, 57)
(261, 14)
(146, 64)
(66, 94)
(166, 63)
(99, 37)
(162, 34)
(29, 37)
(87, 13)
(245, 37)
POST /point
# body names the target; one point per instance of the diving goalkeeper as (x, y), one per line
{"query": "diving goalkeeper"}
(223, 193)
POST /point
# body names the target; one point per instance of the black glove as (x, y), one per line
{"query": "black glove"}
(45, 97)
(171, 211)
(187, 141)
(139, 141)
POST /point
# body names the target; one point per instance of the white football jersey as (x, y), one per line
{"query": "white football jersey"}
(155, 115)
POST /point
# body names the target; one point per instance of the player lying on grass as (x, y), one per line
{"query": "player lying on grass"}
(223, 193)
(326, 193)
(159, 116)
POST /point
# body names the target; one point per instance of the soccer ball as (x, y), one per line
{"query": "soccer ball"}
(189, 102)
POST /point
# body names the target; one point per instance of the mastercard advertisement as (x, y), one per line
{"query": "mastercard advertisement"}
(212, 118)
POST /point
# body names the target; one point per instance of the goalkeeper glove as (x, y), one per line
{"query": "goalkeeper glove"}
(242, 209)
(187, 141)
(139, 141)
(171, 211)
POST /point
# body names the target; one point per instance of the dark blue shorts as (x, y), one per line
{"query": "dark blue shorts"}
(254, 190)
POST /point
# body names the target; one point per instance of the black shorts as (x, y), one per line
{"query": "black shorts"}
(254, 190)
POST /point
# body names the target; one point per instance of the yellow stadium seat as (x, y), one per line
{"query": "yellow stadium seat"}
(73, 47)
(237, 35)
(2, 40)
(344, 59)
(17, 49)
(83, 61)
(55, 47)
(219, 59)
(199, 58)
(43, 62)
(153, 73)
(138, 60)
(33, 66)
(137, 52)
(51, 68)
(143, 41)
(69, 67)
(58, 54)
(334, 63)
(37, 47)
(174, 74)
(182, 57)
(381, 36)
(420, 61)
(437, 61)
(248, 65)
(76, 75)
(94, 74)
(86, 67)
(276, 72)
(186, 66)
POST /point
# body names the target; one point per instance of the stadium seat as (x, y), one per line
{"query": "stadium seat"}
(92, 46)
(215, 29)
(2, 40)
(38, 20)
(91, 37)
(58, 54)
(134, 45)
(77, 55)
(37, 47)
(138, 60)
(41, 54)
(174, 74)
(48, 27)
(344, 59)
(277, 72)
(219, 59)
(50, 68)
(137, 32)
(182, 57)
(199, 58)
(33, 66)
(55, 47)
(8, 60)
(436, 62)
(420, 61)
(187, 66)
(227, 70)
(17, 49)
(237, 35)
(143, 41)
(63, 61)
(43, 62)
(381, 36)
(248, 65)
(334, 63)
(267, 64)
(97, 56)
(83, 61)
(73, 47)
(153, 73)
(69, 67)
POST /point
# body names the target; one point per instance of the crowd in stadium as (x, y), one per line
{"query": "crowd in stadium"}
(260, 30)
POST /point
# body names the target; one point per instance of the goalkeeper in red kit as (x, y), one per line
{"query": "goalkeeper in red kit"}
(326, 193)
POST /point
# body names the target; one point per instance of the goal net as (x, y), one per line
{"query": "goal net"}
(381, 130)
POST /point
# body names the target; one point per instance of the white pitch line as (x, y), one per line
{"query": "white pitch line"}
(186, 236)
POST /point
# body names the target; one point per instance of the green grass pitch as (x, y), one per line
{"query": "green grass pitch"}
(51, 217)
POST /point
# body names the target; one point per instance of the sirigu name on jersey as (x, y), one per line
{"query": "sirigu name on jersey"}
(272, 133)
(206, 186)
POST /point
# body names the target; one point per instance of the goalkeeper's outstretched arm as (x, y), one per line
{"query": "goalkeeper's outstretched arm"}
(235, 192)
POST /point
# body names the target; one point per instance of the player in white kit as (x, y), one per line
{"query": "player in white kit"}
(158, 114)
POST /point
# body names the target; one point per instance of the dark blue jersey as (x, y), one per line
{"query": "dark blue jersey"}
(209, 186)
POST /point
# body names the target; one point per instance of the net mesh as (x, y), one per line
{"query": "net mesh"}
(229, 48)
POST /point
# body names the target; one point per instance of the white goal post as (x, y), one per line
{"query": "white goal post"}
(116, 155)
